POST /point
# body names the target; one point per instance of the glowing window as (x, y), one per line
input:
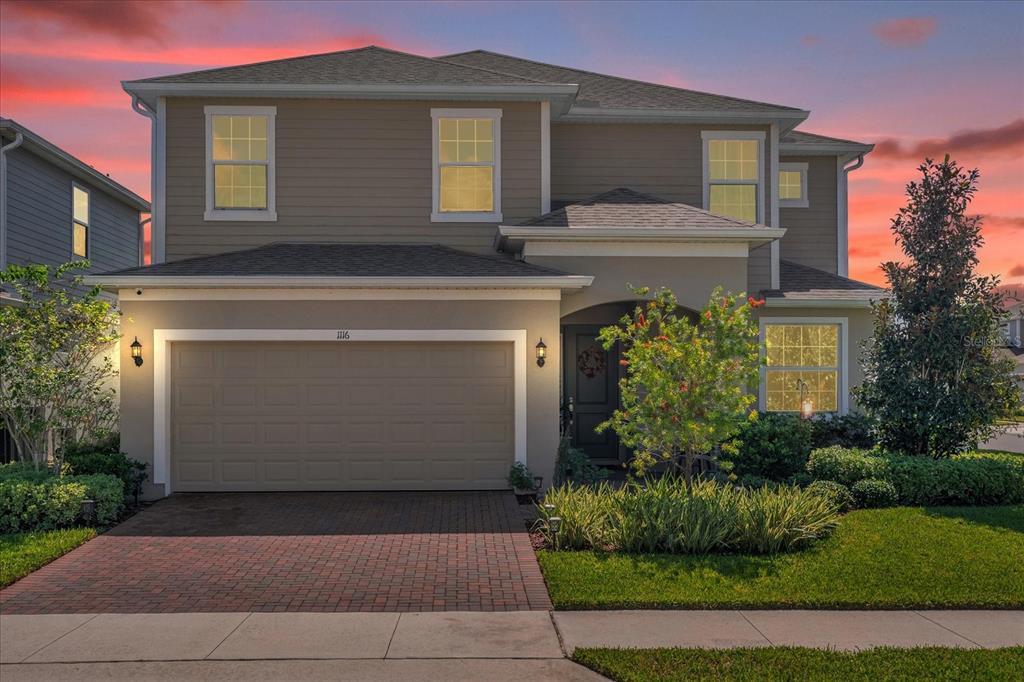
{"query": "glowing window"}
(733, 173)
(793, 185)
(79, 221)
(802, 362)
(467, 172)
(240, 163)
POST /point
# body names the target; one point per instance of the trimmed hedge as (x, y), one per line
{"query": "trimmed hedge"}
(32, 499)
(968, 479)
(872, 493)
(837, 492)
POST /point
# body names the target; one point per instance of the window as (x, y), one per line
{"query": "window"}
(733, 171)
(240, 163)
(803, 361)
(79, 221)
(467, 168)
(793, 185)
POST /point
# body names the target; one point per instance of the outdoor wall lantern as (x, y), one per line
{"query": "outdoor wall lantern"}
(542, 352)
(137, 352)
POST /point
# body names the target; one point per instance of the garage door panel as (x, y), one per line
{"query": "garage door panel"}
(316, 416)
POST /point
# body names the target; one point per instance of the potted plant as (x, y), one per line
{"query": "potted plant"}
(522, 480)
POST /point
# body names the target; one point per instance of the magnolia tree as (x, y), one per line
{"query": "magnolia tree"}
(55, 375)
(933, 379)
(688, 386)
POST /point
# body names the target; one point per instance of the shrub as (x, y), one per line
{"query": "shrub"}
(848, 431)
(837, 492)
(844, 465)
(873, 492)
(106, 491)
(18, 471)
(665, 516)
(520, 477)
(32, 499)
(967, 479)
(573, 464)
(772, 447)
(130, 471)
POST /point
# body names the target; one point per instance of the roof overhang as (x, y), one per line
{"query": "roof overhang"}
(513, 237)
(61, 159)
(113, 282)
(847, 150)
(560, 95)
(787, 121)
(862, 303)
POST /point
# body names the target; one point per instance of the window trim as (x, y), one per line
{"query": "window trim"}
(269, 214)
(436, 215)
(842, 364)
(706, 137)
(793, 166)
(88, 218)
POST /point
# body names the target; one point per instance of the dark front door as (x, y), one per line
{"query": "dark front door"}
(592, 384)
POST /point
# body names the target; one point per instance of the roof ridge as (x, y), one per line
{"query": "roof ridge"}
(622, 78)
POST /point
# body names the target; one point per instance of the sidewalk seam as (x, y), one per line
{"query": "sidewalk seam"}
(94, 617)
(392, 638)
(919, 613)
(558, 633)
(221, 642)
(756, 629)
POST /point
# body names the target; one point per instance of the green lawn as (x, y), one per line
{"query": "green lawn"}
(792, 663)
(905, 557)
(22, 553)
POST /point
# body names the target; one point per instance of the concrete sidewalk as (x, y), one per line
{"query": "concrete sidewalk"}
(442, 645)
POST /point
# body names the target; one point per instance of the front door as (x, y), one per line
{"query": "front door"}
(592, 384)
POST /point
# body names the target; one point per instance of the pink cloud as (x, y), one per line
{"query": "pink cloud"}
(1006, 139)
(1017, 270)
(811, 40)
(907, 32)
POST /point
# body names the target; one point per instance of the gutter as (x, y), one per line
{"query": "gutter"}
(760, 235)
(144, 110)
(301, 281)
(862, 303)
(18, 139)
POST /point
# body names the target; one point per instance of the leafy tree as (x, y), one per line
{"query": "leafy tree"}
(55, 377)
(933, 379)
(687, 383)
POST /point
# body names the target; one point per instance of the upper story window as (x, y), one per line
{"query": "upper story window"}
(467, 165)
(79, 221)
(240, 163)
(733, 174)
(793, 185)
(803, 363)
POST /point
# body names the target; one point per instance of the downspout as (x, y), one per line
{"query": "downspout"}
(18, 139)
(844, 216)
(141, 108)
(142, 238)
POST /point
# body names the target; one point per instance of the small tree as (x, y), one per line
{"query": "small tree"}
(933, 380)
(55, 380)
(687, 385)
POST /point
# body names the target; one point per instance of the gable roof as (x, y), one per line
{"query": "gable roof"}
(614, 92)
(10, 129)
(798, 141)
(626, 208)
(804, 285)
(342, 264)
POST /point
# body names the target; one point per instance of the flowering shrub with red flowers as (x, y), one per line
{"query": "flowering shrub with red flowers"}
(689, 383)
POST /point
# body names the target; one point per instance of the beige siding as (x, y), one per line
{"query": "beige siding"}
(812, 233)
(347, 170)
(759, 268)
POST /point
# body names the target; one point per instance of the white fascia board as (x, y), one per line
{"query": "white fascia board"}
(787, 121)
(770, 302)
(561, 93)
(662, 234)
(236, 282)
(824, 149)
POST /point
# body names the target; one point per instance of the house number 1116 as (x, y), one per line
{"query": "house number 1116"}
(343, 335)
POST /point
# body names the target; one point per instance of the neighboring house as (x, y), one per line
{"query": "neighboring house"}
(1013, 331)
(374, 270)
(55, 208)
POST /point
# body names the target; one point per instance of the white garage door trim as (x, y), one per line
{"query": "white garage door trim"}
(162, 338)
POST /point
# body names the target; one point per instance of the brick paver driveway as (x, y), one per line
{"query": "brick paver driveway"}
(298, 552)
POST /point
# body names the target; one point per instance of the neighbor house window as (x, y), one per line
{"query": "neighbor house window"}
(467, 168)
(79, 221)
(733, 172)
(803, 361)
(240, 163)
(793, 185)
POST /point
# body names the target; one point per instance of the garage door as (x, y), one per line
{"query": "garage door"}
(341, 416)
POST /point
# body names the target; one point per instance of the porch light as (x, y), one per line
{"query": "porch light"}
(137, 352)
(542, 352)
(806, 404)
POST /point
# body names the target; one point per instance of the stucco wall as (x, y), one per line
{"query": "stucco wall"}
(538, 318)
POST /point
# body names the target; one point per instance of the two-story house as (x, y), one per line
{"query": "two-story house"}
(375, 270)
(55, 208)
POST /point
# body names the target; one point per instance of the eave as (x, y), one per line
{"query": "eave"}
(787, 121)
(113, 282)
(512, 237)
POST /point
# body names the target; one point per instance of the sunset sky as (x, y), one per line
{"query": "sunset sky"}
(913, 78)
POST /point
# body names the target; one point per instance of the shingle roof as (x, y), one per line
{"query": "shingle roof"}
(798, 137)
(284, 259)
(626, 208)
(800, 282)
(369, 65)
(612, 92)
